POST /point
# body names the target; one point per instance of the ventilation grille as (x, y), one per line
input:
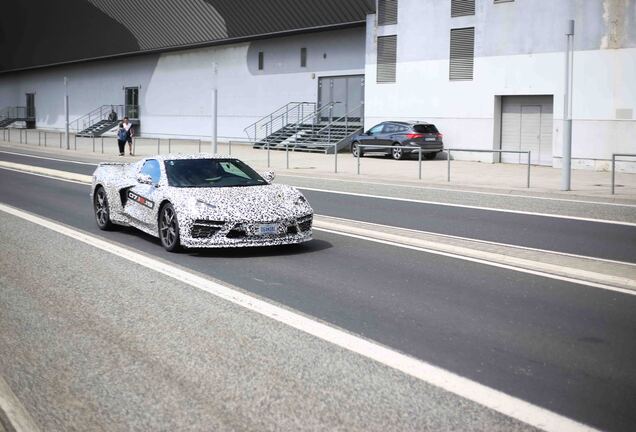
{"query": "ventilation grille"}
(462, 53)
(387, 12)
(387, 57)
(462, 7)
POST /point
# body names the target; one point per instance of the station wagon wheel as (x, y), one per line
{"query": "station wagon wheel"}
(396, 152)
(102, 211)
(355, 149)
(169, 228)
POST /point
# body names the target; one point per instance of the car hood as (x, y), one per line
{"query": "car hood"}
(261, 203)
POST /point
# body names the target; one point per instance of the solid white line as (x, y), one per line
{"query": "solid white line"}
(474, 240)
(481, 261)
(367, 182)
(13, 412)
(463, 387)
(46, 176)
(47, 158)
(550, 215)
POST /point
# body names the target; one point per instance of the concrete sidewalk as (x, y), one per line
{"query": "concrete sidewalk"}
(465, 175)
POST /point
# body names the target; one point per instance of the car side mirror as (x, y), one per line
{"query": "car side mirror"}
(368, 133)
(269, 176)
(144, 179)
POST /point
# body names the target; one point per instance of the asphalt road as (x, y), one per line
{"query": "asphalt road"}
(600, 240)
(565, 347)
(122, 347)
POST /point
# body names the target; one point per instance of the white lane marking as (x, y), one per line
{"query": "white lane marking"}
(480, 261)
(401, 186)
(453, 190)
(449, 381)
(44, 175)
(13, 412)
(474, 240)
(47, 158)
(550, 215)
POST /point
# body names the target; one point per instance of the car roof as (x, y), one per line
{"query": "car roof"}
(407, 123)
(182, 156)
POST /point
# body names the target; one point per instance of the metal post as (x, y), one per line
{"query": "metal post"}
(102, 145)
(60, 139)
(268, 161)
(158, 145)
(93, 143)
(419, 161)
(287, 155)
(613, 172)
(45, 139)
(528, 181)
(358, 157)
(229, 147)
(20, 135)
(448, 152)
(39, 138)
(215, 101)
(567, 111)
(66, 115)
(169, 145)
(335, 158)
(199, 145)
(75, 141)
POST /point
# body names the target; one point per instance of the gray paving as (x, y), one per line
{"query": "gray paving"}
(90, 341)
(565, 347)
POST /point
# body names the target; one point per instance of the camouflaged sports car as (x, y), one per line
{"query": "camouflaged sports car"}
(200, 201)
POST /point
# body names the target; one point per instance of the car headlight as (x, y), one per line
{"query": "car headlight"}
(200, 206)
(300, 200)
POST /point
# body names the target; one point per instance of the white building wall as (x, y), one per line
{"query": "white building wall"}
(518, 51)
(176, 87)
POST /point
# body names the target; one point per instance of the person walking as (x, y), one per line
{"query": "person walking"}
(122, 136)
(130, 133)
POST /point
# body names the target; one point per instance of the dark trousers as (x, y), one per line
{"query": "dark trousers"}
(122, 146)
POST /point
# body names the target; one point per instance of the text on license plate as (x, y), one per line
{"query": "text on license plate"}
(430, 139)
(267, 229)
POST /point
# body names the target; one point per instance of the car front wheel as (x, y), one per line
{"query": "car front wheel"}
(102, 210)
(169, 228)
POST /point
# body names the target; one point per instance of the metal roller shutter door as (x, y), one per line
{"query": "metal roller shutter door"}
(526, 124)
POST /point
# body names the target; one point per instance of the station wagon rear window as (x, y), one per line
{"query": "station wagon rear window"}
(425, 128)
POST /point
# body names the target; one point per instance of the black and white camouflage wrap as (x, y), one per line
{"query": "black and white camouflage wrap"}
(207, 217)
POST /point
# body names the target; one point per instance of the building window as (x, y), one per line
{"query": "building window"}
(462, 53)
(303, 57)
(261, 60)
(387, 58)
(462, 7)
(387, 12)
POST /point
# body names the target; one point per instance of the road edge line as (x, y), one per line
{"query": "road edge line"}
(13, 415)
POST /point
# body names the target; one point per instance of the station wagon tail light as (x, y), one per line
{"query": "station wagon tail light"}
(440, 136)
(414, 136)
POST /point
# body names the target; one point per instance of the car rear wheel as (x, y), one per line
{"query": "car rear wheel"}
(355, 149)
(430, 156)
(169, 228)
(102, 210)
(396, 152)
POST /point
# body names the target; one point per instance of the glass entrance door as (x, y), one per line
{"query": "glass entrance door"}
(132, 102)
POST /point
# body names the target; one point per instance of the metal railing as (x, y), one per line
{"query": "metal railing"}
(448, 153)
(614, 156)
(289, 113)
(345, 119)
(98, 114)
(15, 112)
(419, 154)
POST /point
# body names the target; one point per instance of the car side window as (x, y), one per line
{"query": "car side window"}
(151, 168)
(390, 128)
(376, 129)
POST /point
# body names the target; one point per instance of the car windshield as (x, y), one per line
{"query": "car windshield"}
(200, 173)
(425, 128)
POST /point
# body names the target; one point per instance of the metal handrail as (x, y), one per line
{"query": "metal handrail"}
(95, 115)
(528, 152)
(13, 112)
(614, 156)
(269, 119)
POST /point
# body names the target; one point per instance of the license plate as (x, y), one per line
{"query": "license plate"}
(430, 139)
(267, 229)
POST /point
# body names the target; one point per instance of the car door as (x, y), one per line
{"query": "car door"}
(386, 137)
(371, 137)
(141, 199)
